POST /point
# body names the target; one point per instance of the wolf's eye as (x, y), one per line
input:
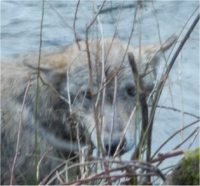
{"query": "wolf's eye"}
(130, 90)
(88, 94)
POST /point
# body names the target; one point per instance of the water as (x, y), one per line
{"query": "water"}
(20, 33)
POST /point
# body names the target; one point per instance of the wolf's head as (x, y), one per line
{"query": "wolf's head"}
(98, 86)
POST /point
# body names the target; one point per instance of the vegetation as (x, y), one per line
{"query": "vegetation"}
(187, 171)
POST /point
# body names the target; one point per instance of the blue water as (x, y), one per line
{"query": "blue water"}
(20, 31)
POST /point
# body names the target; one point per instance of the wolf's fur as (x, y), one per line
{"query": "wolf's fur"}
(74, 103)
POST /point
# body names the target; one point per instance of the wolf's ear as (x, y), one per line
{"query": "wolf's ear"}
(51, 76)
(153, 53)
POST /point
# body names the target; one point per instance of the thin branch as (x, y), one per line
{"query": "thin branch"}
(169, 67)
(126, 50)
(36, 111)
(196, 130)
(113, 117)
(95, 17)
(176, 110)
(112, 177)
(74, 25)
(143, 104)
(172, 136)
(152, 170)
(99, 144)
(163, 156)
(114, 8)
(195, 137)
(40, 161)
(19, 133)
(63, 19)
(50, 177)
(115, 74)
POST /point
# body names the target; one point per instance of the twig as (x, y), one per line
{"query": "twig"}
(114, 35)
(19, 133)
(50, 177)
(142, 99)
(95, 17)
(112, 177)
(99, 144)
(127, 47)
(152, 170)
(172, 136)
(40, 161)
(74, 25)
(176, 110)
(169, 67)
(37, 87)
(196, 130)
(163, 156)
(113, 117)
(63, 19)
(145, 134)
(136, 164)
(114, 8)
(115, 74)
(197, 135)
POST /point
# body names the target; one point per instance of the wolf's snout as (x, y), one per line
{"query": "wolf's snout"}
(115, 146)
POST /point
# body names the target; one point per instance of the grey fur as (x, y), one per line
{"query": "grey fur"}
(61, 113)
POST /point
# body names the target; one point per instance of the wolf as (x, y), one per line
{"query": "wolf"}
(55, 104)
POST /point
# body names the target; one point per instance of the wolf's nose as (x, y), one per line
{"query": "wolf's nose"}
(113, 146)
